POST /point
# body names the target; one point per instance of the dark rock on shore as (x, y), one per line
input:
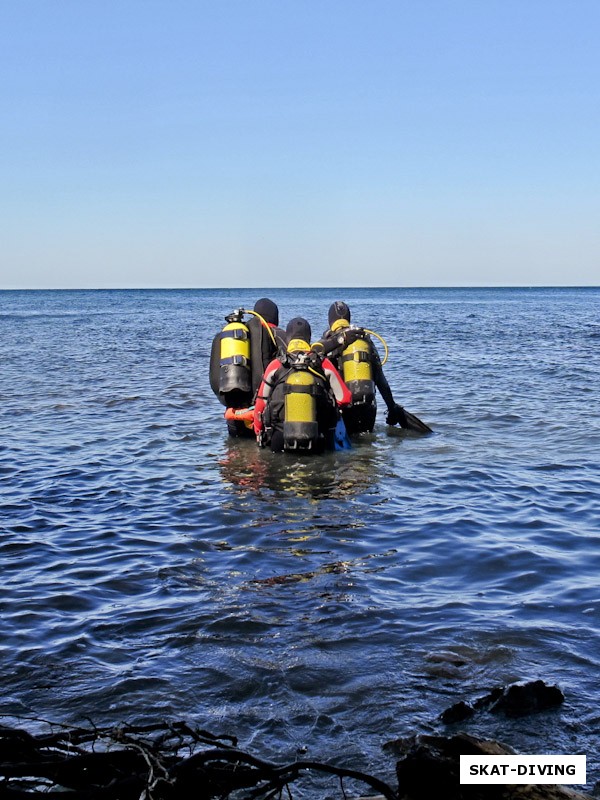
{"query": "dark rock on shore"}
(430, 770)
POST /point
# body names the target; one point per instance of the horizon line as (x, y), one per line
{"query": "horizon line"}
(272, 288)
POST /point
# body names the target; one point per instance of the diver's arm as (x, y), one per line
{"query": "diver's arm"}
(380, 380)
(325, 345)
(396, 413)
(332, 341)
(264, 391)
(341, 392)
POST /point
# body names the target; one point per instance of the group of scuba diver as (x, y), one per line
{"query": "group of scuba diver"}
(292, 395)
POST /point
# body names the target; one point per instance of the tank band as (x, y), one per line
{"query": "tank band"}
(236, 333)
(237, 360)
(310, 388)
(358, 355)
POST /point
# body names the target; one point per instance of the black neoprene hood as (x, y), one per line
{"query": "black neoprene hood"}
(268, 310)
(298, 328)
(338, 310)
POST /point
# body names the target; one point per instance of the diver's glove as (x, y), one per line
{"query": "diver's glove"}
(396, 416)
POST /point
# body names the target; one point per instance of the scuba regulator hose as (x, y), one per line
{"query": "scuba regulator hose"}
(382, 340)
(263, 320)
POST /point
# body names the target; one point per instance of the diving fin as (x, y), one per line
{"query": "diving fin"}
(341, 440)
(412, 423)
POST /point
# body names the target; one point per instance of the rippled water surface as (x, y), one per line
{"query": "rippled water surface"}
(152, 568)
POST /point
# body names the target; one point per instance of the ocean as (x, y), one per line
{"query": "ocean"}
(154, 569)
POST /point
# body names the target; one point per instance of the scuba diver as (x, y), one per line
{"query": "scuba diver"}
(239, 356)
(357, 359)
(297, 402)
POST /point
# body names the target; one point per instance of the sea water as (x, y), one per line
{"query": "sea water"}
(152, 568)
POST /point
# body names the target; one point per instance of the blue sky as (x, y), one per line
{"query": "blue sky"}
(299, 143)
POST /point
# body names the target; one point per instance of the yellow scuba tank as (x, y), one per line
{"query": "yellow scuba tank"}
(300, 426)
(235, 375)
(357, 369)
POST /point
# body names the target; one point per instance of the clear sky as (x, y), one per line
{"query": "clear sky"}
(184, 143)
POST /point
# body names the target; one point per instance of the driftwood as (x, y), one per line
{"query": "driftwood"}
(164, 762)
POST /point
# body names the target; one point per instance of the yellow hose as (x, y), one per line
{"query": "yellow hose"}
(385, 347)
(264, 322)
(314, 372)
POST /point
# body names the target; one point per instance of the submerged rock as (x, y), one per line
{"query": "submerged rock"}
(527, 698)
(514, 700)
(457, 713)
